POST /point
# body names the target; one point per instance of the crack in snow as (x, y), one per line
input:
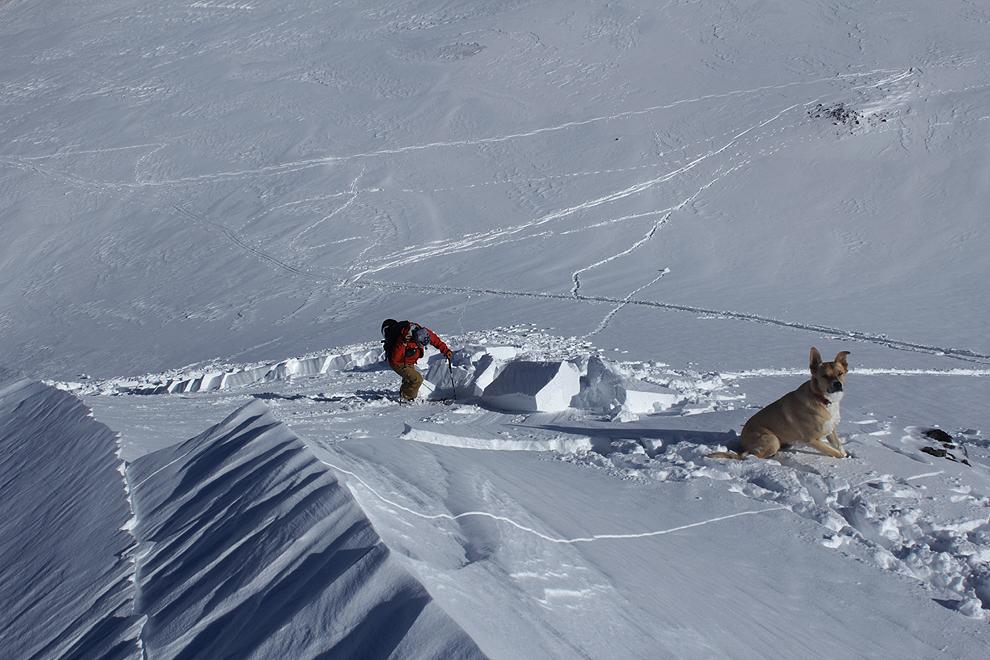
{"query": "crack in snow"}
(625, 301)
(545, 537)
(860, 371)
(964, 354)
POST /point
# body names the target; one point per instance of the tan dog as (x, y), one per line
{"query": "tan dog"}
(808, 415)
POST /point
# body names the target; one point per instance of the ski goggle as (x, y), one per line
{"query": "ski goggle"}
(421, 335)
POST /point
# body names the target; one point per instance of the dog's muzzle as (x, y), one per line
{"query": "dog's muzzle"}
(835, 386)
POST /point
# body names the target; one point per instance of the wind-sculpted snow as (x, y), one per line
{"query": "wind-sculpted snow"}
(66, 565)
(249, 547)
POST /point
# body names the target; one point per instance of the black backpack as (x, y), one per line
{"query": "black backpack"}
(390, 335)
(393, 331)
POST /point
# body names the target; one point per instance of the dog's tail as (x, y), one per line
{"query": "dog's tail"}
(729, 454)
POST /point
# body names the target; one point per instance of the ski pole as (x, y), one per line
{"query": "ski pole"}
(453, 387)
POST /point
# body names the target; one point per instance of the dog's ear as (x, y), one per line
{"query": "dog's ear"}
(816, 359)
(841, 359)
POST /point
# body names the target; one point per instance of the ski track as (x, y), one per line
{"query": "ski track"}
(317, 198)
(951, 352)
(242, 243)
(491, 239)
(81, 152)
(294, 166)
(530, 530)
(625, 301)
(667, 213)
(352, 195)
(855, 335)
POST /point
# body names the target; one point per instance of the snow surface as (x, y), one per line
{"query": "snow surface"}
(260, 179)
(66, 554)
(631, 219)
(556, 525)
(250, 547)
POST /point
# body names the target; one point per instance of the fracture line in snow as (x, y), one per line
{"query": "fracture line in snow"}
(283, 168)
(530, 530)
(351, 192)
(548, 177)
(855, 335)
(859, 371)
(493, 238)
(625, 301)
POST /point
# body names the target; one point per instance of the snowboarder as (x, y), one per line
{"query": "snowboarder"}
(404, 342)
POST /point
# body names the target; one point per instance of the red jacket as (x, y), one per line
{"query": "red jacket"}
(408, 352)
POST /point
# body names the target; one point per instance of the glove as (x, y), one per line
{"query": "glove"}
(448, 354)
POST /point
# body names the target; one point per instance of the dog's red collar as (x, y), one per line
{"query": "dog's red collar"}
(821, 398)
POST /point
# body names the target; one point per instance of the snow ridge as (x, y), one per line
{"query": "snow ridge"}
(66, 556)
(249, 547)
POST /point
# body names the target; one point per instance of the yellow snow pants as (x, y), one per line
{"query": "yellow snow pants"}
(411, 380)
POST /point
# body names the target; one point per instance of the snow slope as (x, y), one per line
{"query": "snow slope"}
(252, 180)
(537, 531)
(234, 543)
(631, 218)
(249, 547)
(66, 554)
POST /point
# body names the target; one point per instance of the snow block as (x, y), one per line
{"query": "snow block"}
(211, 381)
(242, 378)
(296, 367)
(525, 386)
(446, 382)
(601, 389)
(365, 359)
(187, 383)
(334, 362)
(649, 398)
(503, 353)
(438, 435)
(605, 390)
(485, 371)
